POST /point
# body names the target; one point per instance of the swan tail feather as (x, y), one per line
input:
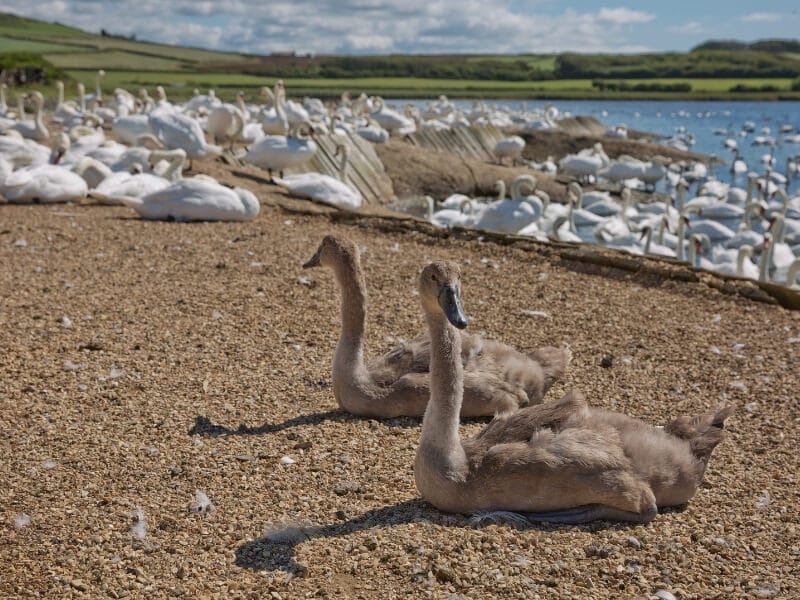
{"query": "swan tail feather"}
(704, 432)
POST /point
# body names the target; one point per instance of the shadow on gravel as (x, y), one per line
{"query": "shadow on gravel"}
(204, 425)
(275, 550)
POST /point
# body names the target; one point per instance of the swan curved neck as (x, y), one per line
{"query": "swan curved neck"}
(572, 227)
(766, 261)
(440, 435)
(649, 238)
(744, 252)
(662, 230)
(344, 161)
(794, 271)
(681, 236)
(350, 349)
(501, 189)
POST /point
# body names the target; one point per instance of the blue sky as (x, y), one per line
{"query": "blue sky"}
(425, 26)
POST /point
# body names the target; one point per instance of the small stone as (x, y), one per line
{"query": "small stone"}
(66, 322)
(82, 387)
(304, 445)
(201, 503)
(79, 585)
(21, 521)
(665, 595)
(287, 460)
(444, 573)
(607, 361)
(20, 243)
(634, 542)
(345, 487)
(71, 366)
(216, 315)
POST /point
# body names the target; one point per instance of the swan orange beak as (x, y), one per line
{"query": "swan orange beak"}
(314, 261)
(450, 301)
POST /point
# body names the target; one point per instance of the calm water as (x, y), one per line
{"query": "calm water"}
(700, 119)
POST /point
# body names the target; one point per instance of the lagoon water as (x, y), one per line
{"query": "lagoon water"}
(701, 119)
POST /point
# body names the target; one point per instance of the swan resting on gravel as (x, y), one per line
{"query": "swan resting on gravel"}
(498, 378)
(560, 462)
(197, 199)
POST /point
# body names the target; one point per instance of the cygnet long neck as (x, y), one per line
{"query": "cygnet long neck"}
(440, 424)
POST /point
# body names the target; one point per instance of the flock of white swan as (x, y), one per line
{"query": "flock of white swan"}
(558, 461)
(749, 232)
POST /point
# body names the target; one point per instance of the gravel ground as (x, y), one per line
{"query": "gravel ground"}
(143, 362)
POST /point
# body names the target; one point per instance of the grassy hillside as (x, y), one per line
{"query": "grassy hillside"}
(763, 70)
(72, 48)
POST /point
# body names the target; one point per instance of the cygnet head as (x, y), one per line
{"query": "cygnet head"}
(334, 251)
(440, 292)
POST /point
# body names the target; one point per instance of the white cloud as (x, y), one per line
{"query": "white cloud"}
(762, 17)
(624, 16)
(690, 28)
(350, 26)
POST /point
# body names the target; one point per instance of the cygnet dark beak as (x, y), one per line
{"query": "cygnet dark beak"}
(314, 260)
(450, 301)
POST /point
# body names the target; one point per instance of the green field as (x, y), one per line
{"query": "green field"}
(114, 59)
(181, 84)
(9, 44)
(18, 34)
(534, 61)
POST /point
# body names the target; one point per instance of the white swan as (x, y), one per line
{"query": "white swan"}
(131, 127)
(137, 184)
(176, 130)
(793, 274)
(391, 120)
(658, 248)
(464, 216)
(716, 232)
(509, 216)
(34, 129)
(197, 199)
(582, 166)
(274, 120)
(373, 132)
(510, 147)
(45, 184)
(277, 152)
(742, 267)
(781, 252)
(64, 111)
(20, 152)
(226, 123)
(324, 188)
